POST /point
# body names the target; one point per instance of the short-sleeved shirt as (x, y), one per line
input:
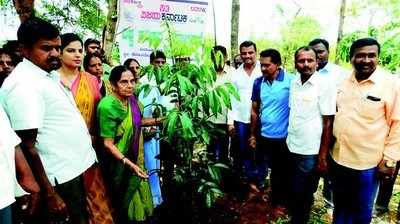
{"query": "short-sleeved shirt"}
(367, 122)
(334, 72)
(9, 188)
(308, 102)
(273, 100)
(241, 110)
(35, 99)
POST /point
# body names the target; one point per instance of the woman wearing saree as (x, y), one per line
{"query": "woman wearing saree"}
(85, 90)
(120, 125)
(93, 64)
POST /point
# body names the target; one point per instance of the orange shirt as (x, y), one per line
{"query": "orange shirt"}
(367, 121)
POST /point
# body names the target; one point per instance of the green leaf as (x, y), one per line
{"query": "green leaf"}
(214, 173)
(208, 200)
(232, 90)
(221, 165)
(171, 124)
(206, 137)
(185, 85)
(187, 125)
(224, 95)
(217, 191)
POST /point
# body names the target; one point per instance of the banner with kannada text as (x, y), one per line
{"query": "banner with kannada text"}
(138, 17)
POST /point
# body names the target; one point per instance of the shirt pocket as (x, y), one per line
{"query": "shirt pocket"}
(371, 110)
(306, 105)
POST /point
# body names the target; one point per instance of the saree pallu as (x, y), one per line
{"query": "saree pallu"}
(130, 193)
(86, 92)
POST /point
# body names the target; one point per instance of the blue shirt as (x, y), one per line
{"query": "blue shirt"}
(273, 100)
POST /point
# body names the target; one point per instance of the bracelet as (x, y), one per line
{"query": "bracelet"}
(123, 160)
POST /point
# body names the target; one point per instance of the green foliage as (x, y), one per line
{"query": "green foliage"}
(345, 43)
(192, 89)
(388, 33)
(390, 48)
(297, 33)
(82, 16)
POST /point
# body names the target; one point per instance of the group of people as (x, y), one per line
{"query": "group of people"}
(80, 147)
(72, 149)
(324, 121)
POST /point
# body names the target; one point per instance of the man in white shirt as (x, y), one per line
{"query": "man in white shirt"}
(326, 68)
(219, 142)
(336, 74)
(11, 160)
(312, 105)
(43, 113)
(239, 116)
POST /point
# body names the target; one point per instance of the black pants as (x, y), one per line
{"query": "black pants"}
(73, 195)
(277, 157)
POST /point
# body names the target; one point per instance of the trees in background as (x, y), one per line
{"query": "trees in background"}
(235, 27)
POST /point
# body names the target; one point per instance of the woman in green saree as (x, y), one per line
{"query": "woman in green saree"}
(120, 127)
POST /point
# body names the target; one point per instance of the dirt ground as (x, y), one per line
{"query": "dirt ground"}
(254, 208)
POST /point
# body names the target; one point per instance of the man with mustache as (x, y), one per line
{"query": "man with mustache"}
(333, 71)
(239, 116)
(367, 129)
(312, 107)
(43, 113)
(7, 64)
(268, 126)
(336, 74)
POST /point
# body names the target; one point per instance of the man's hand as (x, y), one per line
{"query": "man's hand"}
(231, 129)
(322, 166)
(57, 210)
(385, 173)
(28, 205)
(253, 142)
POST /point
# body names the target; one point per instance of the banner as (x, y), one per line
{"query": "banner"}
(138, 17)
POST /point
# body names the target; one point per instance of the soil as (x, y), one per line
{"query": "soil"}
(245, 207)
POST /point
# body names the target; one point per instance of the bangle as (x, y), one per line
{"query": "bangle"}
(123, 160)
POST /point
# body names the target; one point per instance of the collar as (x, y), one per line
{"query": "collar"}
(374, 77)
(36, 70)
(257, 68)
(326, 69)
(312, 80)
(279, 77)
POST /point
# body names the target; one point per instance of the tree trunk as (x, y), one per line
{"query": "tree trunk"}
(235, 27)
(110, 29)
(340, 29)
(24, 8)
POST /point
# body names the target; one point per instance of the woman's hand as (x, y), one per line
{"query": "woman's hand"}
(136, 169)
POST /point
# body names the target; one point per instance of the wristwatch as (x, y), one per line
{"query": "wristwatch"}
(390, 164)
